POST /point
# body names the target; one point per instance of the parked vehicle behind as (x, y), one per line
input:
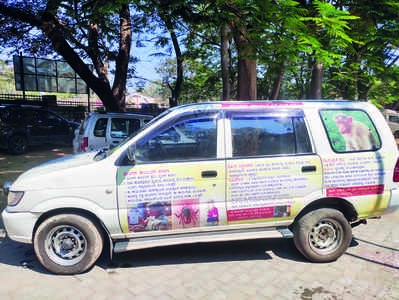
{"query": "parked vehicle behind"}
(106, 130)
(307, 170)
(22, 126)
(392, 118)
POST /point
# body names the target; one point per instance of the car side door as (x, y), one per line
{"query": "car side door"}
(272, 170)
(177, 181)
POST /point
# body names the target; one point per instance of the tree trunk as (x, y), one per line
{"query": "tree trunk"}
(224, 58)
(246, 69)
(56, 32)
(277, 82)
(122, 61)
(176, 90)
(363, 86)
(316, 83)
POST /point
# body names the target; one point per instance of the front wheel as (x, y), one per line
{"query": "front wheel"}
(322, 235)
(17, 144)
(68, 243)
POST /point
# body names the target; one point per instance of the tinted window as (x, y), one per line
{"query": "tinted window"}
(187, 138)
(302, 140)
(50, 118)
(257, 134)
(32, 117)
(11, 116)
(101, 127)
(394, 119)
(350, 130)
(121, 128)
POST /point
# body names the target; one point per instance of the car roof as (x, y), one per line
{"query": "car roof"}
(112, 114)
(280, 104)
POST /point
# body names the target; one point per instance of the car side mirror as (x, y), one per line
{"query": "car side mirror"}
(131, 153)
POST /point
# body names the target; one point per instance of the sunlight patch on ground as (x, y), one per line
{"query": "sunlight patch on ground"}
(34, 156)
(11, 171)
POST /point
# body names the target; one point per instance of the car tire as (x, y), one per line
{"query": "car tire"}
(322, 235)
(17, 144)
(68, 243)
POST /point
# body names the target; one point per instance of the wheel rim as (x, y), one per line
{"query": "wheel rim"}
(326, 236)
(19, 144)
(66, 245)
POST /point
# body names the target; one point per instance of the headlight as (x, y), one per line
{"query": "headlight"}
(14, 198)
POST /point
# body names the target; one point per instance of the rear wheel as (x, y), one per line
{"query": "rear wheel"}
(17, 144)
(68, 243)
(322, 235)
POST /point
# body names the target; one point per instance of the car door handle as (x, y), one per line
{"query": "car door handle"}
(208, 174)
(309, 169)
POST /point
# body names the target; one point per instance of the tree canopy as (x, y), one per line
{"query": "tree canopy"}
(223, 49)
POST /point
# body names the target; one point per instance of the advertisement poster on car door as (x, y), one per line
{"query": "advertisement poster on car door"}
(269, 189)
(171, 197)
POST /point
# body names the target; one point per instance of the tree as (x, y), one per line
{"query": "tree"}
(77, 31)
(373, 60)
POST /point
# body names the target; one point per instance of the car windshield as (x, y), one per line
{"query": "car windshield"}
(103, 153)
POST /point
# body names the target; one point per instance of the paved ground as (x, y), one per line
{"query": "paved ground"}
(257, 269)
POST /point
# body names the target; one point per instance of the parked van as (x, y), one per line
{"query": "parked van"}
(206, 172)
(106, 130)
(392, 118)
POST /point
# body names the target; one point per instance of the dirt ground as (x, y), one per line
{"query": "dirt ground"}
(11, 166)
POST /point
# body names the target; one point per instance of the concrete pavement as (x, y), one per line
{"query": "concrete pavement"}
(256, 269)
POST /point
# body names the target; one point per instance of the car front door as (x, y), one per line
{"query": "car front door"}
(271, 170)
(177, 181)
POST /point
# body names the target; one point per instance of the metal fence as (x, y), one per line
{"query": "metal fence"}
(72, 109)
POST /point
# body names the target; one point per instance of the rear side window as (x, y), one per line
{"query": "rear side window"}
(121, 128)
(258, 135)
(11, 116)
(101, 127)
(350, 130)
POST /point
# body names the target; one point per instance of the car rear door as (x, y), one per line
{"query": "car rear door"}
(272, 169)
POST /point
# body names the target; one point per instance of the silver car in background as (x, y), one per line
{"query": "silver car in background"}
(106, 130)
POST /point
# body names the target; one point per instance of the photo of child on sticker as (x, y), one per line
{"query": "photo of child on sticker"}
(213, 214)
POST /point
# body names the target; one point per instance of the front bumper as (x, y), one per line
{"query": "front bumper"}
(19, 225)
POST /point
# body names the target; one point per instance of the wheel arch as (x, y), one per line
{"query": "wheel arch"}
(78, 211)
(340, 204)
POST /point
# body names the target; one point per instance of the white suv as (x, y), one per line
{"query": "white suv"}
(307, 170)
(106, 130)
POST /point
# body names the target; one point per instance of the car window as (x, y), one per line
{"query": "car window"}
(187, 138)
(302, 140)
(256, 134)
(394, 119)
(121, 128)
(32, 117)
(100, 128)
(52, 119)
(350, 130)
(11, 116)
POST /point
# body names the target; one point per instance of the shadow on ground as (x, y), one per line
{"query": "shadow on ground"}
(22, 255)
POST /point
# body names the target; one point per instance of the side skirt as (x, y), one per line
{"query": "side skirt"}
(201, 237)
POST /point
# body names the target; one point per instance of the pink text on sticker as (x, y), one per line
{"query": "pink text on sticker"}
(356, 191)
